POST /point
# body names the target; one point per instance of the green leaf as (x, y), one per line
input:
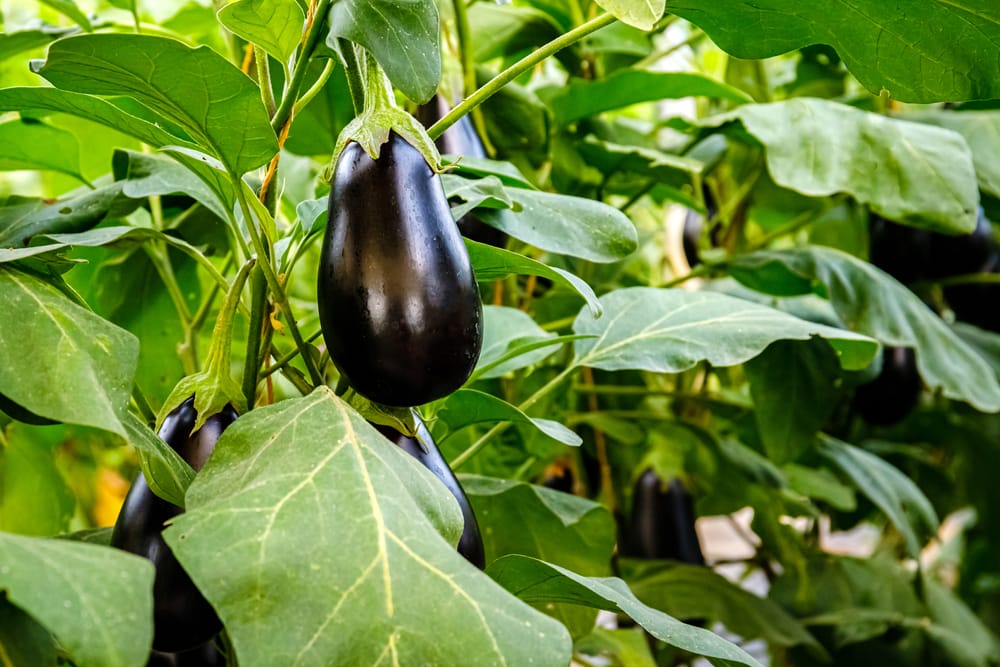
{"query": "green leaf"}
(492, 263)
(671, 330)
(144, 175)
(820, 484)
(956, 628)
(908, 172)
(44, 100)
(673, 171)
(892, 492)
(274, 25)
(917, 51)
(483, 167)
(487, 192)
(981, 130)
(537, 581)
(403, 35)
(503, 329)
(585, 98)
(641, 14)
(794, 391)
(566, 225)
(626, 647)
(34, 497)
(505, 30)
(34, 145)
(871, 302)
(166, 473)
(71, 365)
(97, 601)
(219, 106)
(560, 528)
(77, 211)
(334, 535)
(69, 8)
(470, 406)
(22, 640)
(691, 591)
(19, 41)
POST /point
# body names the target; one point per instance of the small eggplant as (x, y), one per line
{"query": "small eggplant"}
(398, 302)
(894, 393)
(661, 525)
(206, 655)
(182, 617)
(423, 449)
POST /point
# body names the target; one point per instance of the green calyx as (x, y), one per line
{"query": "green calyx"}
(403, 420)
(380, 116)
(214, 387)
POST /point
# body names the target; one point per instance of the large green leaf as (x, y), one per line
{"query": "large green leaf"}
(75, 212)
(69, 8)
(503, 329)
(70, 365)
(34, 497)
(273, 25)
(917, 50)
(642, 14)
(22, 640)
(909, 172)
(219, 106)
(691, 591)
(403, 35)
(499, 31)
(469, 406)
(537, 581)
(584, 98)
(144, 175)
(34, 145)
(794, 391)
(166, 473)
(892, 492)
(672, 171)
(19, 41)
(97, 601)
(566, 225)
(308, 520)
(871, 302)
(671, 330)
(44, 100)
(519, 518)
(981, 130)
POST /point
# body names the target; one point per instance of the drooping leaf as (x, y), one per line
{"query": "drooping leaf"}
(908, 172)
(504, 327)
(642, 14)
(39, 99)
(537, 581)
(167, 474)
(273, 25)
(219, 106)
(793, 389)
(566, 225)
(495, 263)
(871, 302)
(97, 601)
(981, 130)
(69, 8)
(403, 35)
(917, 51)
(34, 145)
(72, 365)
(894, 493)
(487, 192)
(560, 528)
(335, 535)
(584, 98)
(143, 175)
(470, 406)
(77, 211)
(671, 330)
(19, 41)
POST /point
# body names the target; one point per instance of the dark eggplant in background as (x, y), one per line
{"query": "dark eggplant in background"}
(182, 618)
(423, 448)
(206, 655)
(18, 412)
(398, 301)
(662, 522)
(892, 395)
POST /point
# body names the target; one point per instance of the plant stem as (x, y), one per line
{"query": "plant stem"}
(251, 365)
(264, 79)
(353, 71)
(515, 70)
(315, 23)
(280, 362)
(317, 86)
(474, 448)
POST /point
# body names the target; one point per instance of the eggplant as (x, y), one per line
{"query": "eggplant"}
(182, 617)
(558, 477)
(965, 253)
(18, 412)
(423, 449)
(398, 301)
(977, 303)
(206, 655)
(892, 395)
(661, 525)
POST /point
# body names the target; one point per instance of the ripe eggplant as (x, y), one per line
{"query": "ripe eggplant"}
(966, 253)
(182, 617)
(977, 303)
(423, 449)
(398, 301)
(661, 525)
(894, 393)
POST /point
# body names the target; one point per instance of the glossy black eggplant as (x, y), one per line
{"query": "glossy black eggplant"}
(182, 617)
(965, 253)
(661, 524)
(206, 655)
(902, 252)
(977, 303)
(422, 448)
(18, 412)
(398, 300)
(892, 395)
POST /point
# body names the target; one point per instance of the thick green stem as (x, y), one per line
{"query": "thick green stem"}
(515, 70)
(220, 351)
(264, 79)
(314, 89)
(353, 71)
(251, 365)
(544, 391)
(313, 35)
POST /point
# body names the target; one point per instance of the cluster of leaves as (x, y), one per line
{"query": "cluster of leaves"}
(605, 354)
